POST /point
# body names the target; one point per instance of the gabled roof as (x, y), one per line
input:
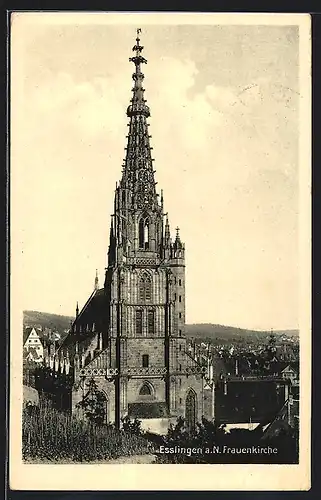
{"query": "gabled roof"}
(26, 333)
(281, 366)
(287, 368)
(280, 421)
(33, 353)
(295, 365)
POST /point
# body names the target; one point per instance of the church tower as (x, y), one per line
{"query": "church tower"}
(146, 271)
(132, 332)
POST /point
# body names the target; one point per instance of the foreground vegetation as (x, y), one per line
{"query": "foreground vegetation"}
(49, 435)
(210, 443)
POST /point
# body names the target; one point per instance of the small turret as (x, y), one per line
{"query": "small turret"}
(76, 358)
(177, 244)
(96, 286)
(56, 362)
(178, 247)
(62, 362)
(167, 235)
(67, 363)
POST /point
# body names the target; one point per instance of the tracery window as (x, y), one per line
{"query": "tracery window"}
(144, 233)
(145, 288)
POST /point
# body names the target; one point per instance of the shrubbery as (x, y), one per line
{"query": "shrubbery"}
(132, 427)
(209, 434)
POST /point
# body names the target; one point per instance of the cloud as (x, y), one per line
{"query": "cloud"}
(224, 154)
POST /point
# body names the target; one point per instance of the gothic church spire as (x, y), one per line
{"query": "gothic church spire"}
(138, 175)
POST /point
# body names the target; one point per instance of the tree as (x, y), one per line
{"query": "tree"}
(94, 404)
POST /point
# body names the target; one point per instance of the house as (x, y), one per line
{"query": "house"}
(249, 401)
(32, 344)
(31, 355)
(286, 370)
(291, 373)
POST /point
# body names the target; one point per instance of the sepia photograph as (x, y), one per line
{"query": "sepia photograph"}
(160, 249)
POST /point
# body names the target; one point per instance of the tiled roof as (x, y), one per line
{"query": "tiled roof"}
(148, 410)
(34, 353)
(26, 333)
(279, 421)
(95, 312)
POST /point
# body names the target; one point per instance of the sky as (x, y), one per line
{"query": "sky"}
(224, 103)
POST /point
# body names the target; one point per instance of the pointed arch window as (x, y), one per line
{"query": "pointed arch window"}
(144, 233)
(145, 288)
(145, 390)
(151, 322)
(139, 322)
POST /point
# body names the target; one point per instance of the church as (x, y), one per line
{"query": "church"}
(130, 335)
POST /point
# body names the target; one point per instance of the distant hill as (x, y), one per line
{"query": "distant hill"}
(47, 320)
(209, 332)
(200, 331)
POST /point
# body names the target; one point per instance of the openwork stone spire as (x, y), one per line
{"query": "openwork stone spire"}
(138, 173)
(138, 106)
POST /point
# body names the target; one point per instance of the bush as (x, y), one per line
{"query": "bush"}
(190, 447)
(205, 435)
(133, 427)
(49, 435)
